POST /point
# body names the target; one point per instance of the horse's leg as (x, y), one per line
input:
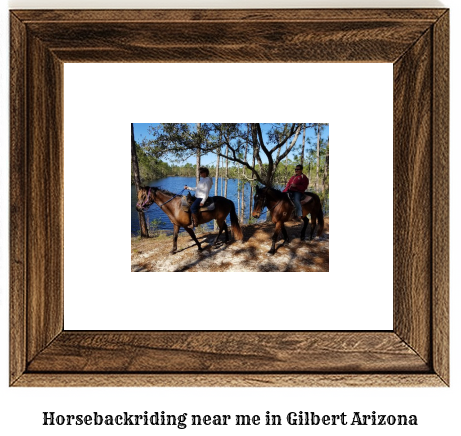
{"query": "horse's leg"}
(286, 239)
(313, 223)
(221, 228)
(226, 230)
(224, 225)
(303, 231)
(192, 235)
(175, 238)
(275, 237)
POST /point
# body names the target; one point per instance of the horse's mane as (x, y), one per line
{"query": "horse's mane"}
(280, 195)
(277, 193)
(163, 191)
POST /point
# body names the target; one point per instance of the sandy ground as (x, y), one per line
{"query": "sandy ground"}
(249, 255)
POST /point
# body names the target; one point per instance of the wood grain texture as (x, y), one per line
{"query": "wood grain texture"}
(230, 380)
(18, 211)
(413, 196)
(414, 354)
(440, 189)
(44, 196)
(236, 352)
(357, 41)
(229, 15)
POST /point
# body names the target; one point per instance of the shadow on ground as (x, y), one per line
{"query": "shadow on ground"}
(249, 255)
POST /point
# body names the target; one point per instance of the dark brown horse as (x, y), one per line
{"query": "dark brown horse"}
(171, 204)
(281, 208)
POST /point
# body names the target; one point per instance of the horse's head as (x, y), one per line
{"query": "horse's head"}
(259, 201)
(146, 197)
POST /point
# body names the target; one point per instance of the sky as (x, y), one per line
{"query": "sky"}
(141, 132)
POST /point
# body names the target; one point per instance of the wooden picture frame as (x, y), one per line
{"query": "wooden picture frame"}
(414, 353)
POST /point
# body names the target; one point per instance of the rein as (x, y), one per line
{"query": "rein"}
(272, 208)
(175, 195)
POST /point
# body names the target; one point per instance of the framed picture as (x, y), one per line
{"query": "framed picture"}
(414, 353)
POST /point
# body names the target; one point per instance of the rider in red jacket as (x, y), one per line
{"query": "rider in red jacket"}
(297, 185)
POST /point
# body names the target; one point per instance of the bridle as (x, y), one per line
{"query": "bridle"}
(159, 205)
(265, 205)
(145, 201)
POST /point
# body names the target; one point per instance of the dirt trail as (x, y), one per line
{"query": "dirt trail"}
(248, 256)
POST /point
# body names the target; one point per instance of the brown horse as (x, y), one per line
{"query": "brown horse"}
(171, 204)
(281, 208)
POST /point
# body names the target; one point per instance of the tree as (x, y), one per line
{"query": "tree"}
(327, 163)
(137, 180)
(278, 135)
(215, 224)
(227, 171)
(199, 143)
(319, 127)
(318, 155)
(303, 146)
(243, 182)
(272, 147)
(251, 183)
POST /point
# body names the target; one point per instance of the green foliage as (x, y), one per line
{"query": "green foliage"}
(202, 228)
(186, 170)
(269, 157)
(154, 227)
(178, 139)
(150, 167)
(241, 143)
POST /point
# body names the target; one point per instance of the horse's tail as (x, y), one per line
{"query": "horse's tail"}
(238, 235)
(320, 219)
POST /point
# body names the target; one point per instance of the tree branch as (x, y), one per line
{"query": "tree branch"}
(287, 151)
(234, 158)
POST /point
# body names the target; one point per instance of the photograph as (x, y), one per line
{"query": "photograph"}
(371, 343)
(230, 197)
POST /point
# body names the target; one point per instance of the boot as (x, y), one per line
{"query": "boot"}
(194, 219)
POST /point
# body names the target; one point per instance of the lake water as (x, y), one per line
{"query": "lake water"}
(175, 185)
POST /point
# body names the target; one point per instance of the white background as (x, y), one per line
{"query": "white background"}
(356, 99)
(437, 409)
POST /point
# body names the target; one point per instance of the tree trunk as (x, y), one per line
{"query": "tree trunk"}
(286, 165)
(238, 190)
(251, 186)
(217, 174)
(327, 163)
(227, 171)
(304, 143)
(137, 182)
(243, 184)
(318, 156)
(215, 224)
(197, 170)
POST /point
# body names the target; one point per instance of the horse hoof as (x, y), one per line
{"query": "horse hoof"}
(173, 252)
(271, 252)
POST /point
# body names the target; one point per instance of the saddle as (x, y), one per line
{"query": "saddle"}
(305, 198)
(187, 200)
